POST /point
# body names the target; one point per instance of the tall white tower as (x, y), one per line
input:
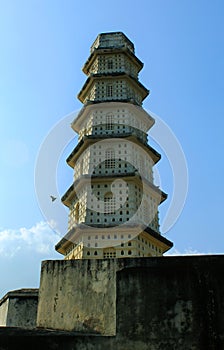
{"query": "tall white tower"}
(113, 203)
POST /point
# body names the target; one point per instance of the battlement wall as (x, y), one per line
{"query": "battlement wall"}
(165, 301)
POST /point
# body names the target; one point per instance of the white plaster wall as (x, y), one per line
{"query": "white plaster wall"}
(127, 151)
(121, 116)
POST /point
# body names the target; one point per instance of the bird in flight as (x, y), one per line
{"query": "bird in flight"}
(53, 198)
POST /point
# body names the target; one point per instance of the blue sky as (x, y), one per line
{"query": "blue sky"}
(44, 45)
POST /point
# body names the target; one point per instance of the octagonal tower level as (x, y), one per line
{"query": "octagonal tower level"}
(113, 202)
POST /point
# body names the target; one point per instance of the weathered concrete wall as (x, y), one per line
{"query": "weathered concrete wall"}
(3, 311)
(78, 295)
(174, 303)
(19, 308)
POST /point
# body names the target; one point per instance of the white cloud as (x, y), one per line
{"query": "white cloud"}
(40, 238)
(188, 251)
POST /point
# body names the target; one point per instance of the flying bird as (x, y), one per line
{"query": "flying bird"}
(53, 198)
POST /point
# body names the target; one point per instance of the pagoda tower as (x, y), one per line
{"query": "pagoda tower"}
(113, 202)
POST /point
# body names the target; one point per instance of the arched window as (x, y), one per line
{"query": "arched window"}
(110, 158)
(77, 209)
(109, 203)
(81, 167)
(109, 121)
(146, 212)
(110, 64)
(109, 90)
(141, 165)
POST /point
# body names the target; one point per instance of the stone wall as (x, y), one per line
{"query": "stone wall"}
(157, 303)
(18, 308)
(78, 295)
(3, 311)
(171, 303)
(167, 303)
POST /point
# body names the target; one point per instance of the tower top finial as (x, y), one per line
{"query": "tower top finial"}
(112, 40)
